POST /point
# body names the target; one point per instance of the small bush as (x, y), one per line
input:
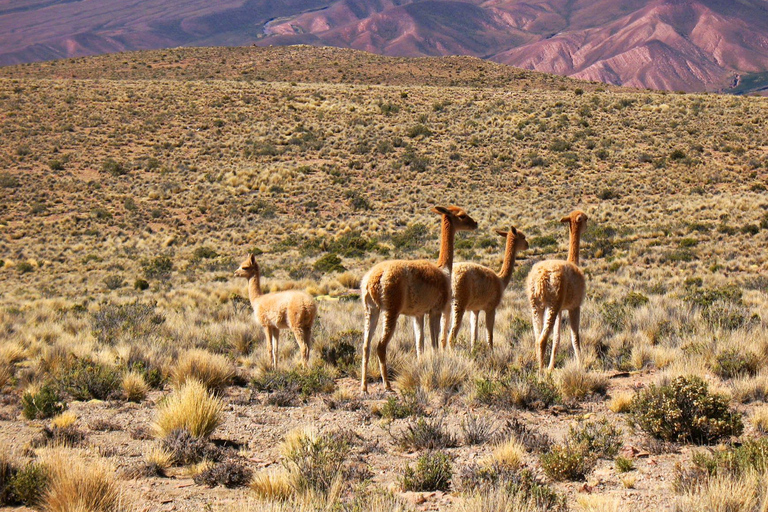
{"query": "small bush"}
(398, 408)
(576, 383)
(600, 439)
(731, 363)
(418, 130)
(476, 430)
(341, 352)
(113, 282)
(75, 484)
(190, 407)
(314, 461)
(433, 472)
(159, 267)
(86, 380)
(229, 474)
(55, 435)
(184, 448)
(306, 382)
(272, 485)
(568, 462)
(425, 434)
(532, 440)
(113, 167)
(524, 389)
(140, 284)
(113, 322)
(496, 489)
(623, 464)
(41, 403)
(685, 411)
(329, 263)
(24, 267)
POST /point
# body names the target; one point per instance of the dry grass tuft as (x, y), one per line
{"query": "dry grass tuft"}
(213, 370)
(272, 485)
(64, 420)
(725, 492)
(507, 455)
(759, 419)
(621, 402)
(191, 408)
(576, 383)
(135, 388)
(597, 503)
(435, 371)
(158, 456)
(77, 485)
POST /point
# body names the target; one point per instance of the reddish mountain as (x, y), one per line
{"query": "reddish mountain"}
(664, 44)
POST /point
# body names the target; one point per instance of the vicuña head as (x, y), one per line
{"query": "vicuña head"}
(248, 268)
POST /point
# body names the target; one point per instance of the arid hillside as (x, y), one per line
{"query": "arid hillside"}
(133, 186)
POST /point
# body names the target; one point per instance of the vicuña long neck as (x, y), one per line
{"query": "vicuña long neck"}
(254, 287)
(573, 246)
(447, 234)
(509, 262)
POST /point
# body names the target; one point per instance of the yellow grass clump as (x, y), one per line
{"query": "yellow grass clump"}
(621, 402)
(64, 420)
(576, 383)
(135, 388)
(272, 485)
(212, 370)
(435, 371)
(191, 407)
(79, 485)
(509, 454)
(759, 419)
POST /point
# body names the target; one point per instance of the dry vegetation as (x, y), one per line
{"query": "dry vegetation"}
(126, 203)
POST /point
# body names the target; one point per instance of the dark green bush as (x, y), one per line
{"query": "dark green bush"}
(159, 267)
(113, 167)
(229, 474)
(522, 388)
(316, 461)
(24, 267)
(341, 351)
(329, 263)
(521, 486)
(418, 130)
(44, 403)
(396, 408)
(433, 472)
(599, 438)
(685, 411)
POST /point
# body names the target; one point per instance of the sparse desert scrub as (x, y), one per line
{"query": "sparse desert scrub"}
(214, 371)
(192, 408)
(314, 461)
(425, 434)
(41, 402)
(576, 383)
(432, 472)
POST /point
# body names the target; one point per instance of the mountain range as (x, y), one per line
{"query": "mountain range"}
(690, 45)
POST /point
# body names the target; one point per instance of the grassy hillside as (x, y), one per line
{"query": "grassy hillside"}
(145, 170)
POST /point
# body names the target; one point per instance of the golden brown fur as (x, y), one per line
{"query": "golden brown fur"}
(412, 288)
(294, 310)
(477, 288)
(555, 286)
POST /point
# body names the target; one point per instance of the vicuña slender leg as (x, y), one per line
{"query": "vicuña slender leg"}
(549, 322)
(474, 321)
(303, 340)
(458, 315)
(268, 341)
(490, 320)
(434, 327)
(390, 322)
(574, 318)
(418, 333)
(555, 339)
(371, 320)
(275, 344)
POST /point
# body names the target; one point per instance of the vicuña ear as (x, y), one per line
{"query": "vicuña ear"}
(567, 218)
(441, 210)
(514, 230)
(502, 234)
(251, 259)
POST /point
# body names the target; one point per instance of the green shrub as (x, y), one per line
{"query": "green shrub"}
(315, 461)
(24, 267)
(113, 167)
(523, 388)
(684, 411)
(43, 403)
(140, 284)
(418, 130)
(732, 363)
(159, 267)
(543, 241)
(113, 282)
(433, 472)
(623, 464)
(86, 380)
(599, 438)
(229, 474)
(412, 237)
(111, 322)
(203, 253)
(749, 458)
(568, 462)
(329, 263)
(398, 408)
(298, 380)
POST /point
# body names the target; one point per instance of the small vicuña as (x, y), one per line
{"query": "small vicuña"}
(294, 310)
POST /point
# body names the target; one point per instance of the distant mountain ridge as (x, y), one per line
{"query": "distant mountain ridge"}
(690, 45)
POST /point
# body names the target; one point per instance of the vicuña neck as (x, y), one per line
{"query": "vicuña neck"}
(573, 246)
(254, 287)
(447, 233)
(509, 262)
